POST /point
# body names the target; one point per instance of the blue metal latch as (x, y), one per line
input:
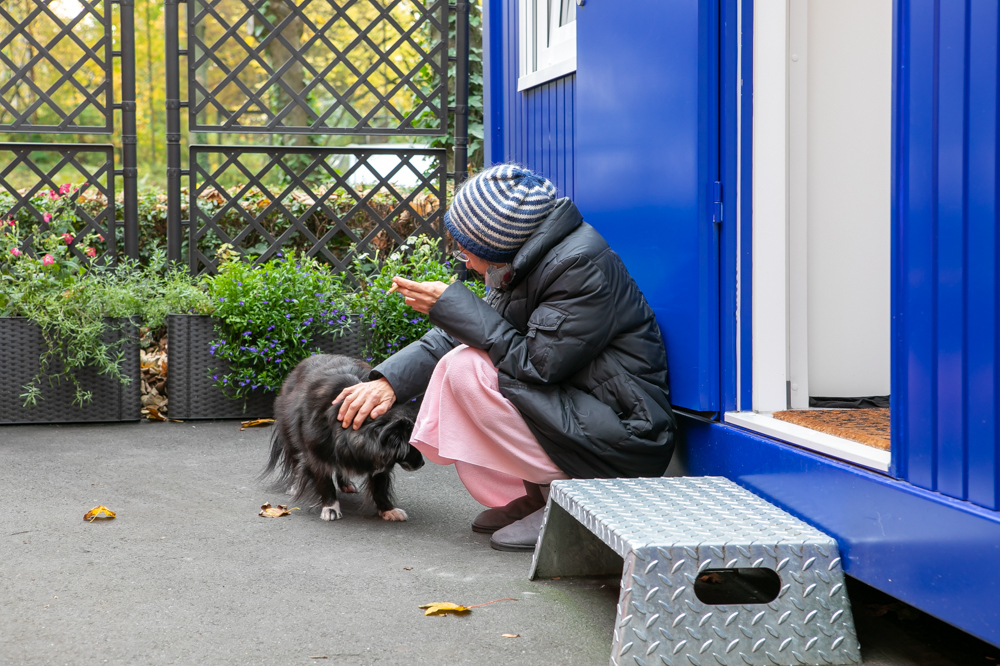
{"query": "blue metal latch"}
(717, 207)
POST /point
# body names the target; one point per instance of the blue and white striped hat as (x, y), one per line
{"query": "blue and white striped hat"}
(496, 210)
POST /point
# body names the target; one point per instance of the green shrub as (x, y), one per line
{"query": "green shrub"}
(387, 322)
(269, 316)
(72, 302)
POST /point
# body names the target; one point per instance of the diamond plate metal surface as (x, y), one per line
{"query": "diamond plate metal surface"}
(668, 531)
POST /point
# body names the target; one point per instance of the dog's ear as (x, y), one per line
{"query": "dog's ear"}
(395, 436)
(395, 440)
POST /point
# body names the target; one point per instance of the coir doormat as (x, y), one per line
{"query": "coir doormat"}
(865, 426)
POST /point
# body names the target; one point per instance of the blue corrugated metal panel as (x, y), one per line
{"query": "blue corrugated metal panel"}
(536, 126)
(648, 157)
(946, 280)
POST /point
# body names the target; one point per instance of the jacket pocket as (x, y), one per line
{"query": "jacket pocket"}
(545, 318)
(628, 401)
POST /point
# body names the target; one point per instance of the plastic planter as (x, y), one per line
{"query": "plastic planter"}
(191, 391)
(21, 347)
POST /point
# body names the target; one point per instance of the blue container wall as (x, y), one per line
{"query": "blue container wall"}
(535, 127)
(946, 208)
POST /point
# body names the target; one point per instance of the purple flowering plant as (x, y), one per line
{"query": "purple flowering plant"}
(268, 317)
(388, 324)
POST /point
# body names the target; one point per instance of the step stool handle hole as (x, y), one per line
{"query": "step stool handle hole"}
(725, 587)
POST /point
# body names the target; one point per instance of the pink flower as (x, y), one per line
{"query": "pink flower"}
(47, 217)
(48, 260)
(64, 189)
(11, 222)
(53, 194)
(90, 252)
(14, 251)
(68, 238)
(100, 238)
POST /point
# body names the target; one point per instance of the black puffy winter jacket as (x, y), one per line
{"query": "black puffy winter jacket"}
(576, 346)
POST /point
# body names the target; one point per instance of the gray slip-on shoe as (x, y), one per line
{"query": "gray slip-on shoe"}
(491, 520)
(520, 536)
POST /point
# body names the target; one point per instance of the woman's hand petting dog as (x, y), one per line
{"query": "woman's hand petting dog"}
(360, 401)
(421, 296)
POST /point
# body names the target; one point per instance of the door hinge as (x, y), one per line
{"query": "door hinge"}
(717, 202)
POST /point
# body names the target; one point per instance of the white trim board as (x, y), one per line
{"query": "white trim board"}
(814, 440)
(546, 74)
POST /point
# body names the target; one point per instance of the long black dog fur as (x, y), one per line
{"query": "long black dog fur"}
(309, 446)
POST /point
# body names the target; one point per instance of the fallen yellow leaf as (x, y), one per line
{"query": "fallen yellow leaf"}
(153, 414)
(102, 512)
(443, 608)
(268, 511)
(256, 423)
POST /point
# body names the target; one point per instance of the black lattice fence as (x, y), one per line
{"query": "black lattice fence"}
(63, 84)
(284, 66)
(325, 202)
(72, 192)
(289, 68)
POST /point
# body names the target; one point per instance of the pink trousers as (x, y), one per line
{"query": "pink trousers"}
(465, 421)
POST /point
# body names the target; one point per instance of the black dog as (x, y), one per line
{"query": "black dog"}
(310, 447)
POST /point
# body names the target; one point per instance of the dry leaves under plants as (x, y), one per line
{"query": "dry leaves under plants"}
(153, 366)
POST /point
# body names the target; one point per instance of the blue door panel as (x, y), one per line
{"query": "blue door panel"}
(946, 272)
(981, 267)
(646, 158)
(913, 417)
(950, 210)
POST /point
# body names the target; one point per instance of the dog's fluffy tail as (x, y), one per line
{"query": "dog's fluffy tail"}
(278, 460)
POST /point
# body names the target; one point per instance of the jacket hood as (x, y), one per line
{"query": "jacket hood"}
(561, 222)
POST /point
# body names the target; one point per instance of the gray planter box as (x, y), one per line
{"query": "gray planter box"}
(191, 391)
(21, 346)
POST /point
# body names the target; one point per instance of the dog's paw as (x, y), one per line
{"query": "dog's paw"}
(348, 488)
(394, 515)
(332, 512)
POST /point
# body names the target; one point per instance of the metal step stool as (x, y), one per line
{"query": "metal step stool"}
(676, 534)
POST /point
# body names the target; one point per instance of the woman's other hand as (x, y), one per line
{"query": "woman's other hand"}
(421, 296)
(360, 401)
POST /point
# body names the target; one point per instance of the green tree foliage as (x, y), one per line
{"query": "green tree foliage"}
(342, 81)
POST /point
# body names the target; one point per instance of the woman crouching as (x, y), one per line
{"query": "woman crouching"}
(560, 372)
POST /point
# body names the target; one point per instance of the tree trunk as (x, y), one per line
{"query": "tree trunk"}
(294, 76)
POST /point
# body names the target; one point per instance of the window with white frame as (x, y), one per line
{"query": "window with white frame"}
(547, 31)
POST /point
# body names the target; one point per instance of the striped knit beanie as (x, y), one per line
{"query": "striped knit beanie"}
(496, 210)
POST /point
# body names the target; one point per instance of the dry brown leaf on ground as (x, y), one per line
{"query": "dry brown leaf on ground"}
(102, 512)
(153, 414)
(443, 608)
(268, 511)
(256, 423)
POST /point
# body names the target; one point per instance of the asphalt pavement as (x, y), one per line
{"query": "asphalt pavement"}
(188, 573)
